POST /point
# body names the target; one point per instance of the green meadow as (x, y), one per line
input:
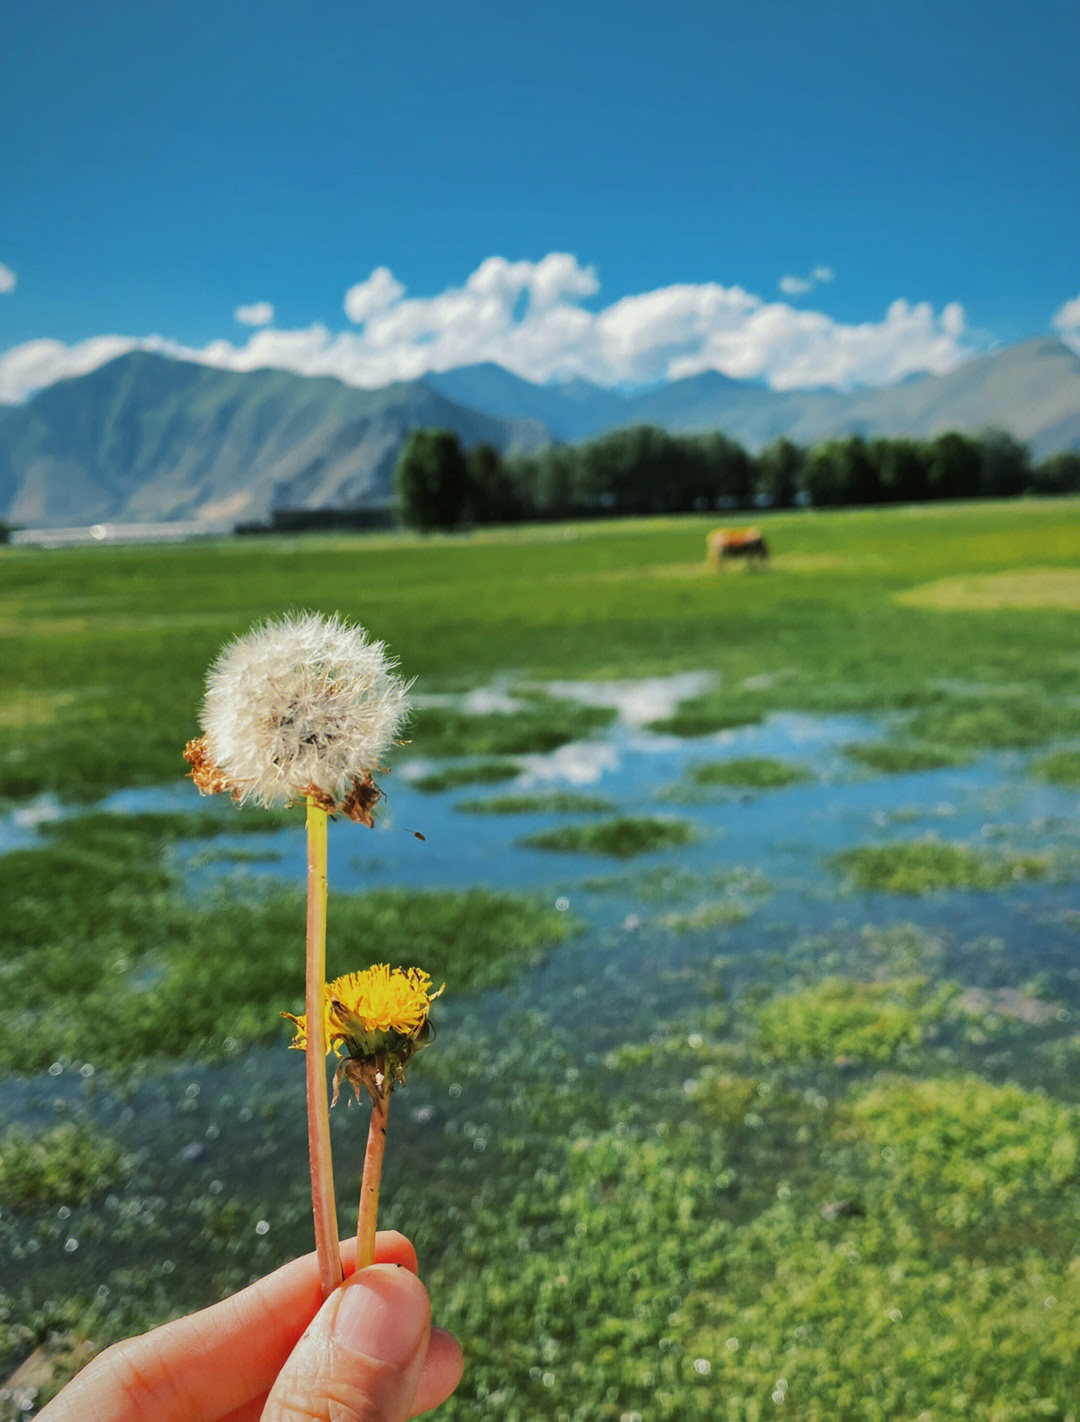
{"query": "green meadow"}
(917, 609)
(711, 1127)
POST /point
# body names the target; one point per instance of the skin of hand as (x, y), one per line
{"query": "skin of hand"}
(276, 1352)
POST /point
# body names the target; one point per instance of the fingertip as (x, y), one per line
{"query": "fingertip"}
(382, 1313)
(394, 1248)
(443, 1367)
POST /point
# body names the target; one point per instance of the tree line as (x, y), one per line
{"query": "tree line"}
(645, 470)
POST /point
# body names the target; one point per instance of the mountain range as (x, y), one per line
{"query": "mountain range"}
(1032, 390)
(150, 438)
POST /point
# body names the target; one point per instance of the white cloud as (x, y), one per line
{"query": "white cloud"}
(31, 366)
(380, 290)
(819, 351)
(7, 278)
(259, 313)
(800, 285)
(1067, 322)
(953, 319)
(532, 318)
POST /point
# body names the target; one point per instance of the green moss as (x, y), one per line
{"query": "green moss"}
(108, 960)
(454, 776)
(553, 802)
(673, 1225)
(706, 916)
(663, 1270)
(837, 1018)
(905, 758)
(925, 866)
(664, 884)
(126, 834)
(724, 1098)
(1061, 768)
(969, 1150)
(992, 722)
(540, 724)
(622, 838)
(704, 715)
(859, 1330)
(62, 1165)
(748, 772)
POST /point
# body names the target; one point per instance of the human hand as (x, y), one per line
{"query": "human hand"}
(271, 1352)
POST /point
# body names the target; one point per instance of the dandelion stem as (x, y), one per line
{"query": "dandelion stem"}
(327, 1249)
(367, 1217)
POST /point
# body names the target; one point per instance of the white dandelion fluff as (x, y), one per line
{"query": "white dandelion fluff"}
(305, 705)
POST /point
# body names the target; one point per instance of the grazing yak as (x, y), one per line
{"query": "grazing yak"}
(727, 543)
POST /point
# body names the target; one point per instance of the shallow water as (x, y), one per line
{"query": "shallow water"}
(234, 1132)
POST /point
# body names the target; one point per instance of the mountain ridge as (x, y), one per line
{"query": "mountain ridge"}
(146, 437)
(150, 438)
(1031, 389)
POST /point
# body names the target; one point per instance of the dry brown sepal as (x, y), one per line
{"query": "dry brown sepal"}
(359, 804)
(377, 1075)
(209, 778)
(319, 797)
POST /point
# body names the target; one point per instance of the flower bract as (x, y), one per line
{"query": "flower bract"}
(303, 706)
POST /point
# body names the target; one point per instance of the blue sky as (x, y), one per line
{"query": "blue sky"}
(828, 193)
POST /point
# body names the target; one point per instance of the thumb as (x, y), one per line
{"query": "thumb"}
(361, 1357)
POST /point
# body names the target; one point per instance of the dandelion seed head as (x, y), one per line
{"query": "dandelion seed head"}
(303, 705)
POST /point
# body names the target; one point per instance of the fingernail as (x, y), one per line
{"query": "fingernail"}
(384, 1313)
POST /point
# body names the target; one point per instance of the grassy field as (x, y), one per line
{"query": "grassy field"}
(104, 649)
(738, 1134)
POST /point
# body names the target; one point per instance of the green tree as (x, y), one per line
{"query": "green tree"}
(823, 477)
(1004, 465)
(554, 489)
(780, 466)
(730, 470)
(1057, 474)
(432, 481)
(634, 470)
(495, 495)
(954, 467)
(841, 471)
(901, 469)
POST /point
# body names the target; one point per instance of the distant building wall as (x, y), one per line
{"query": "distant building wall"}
(116, 533)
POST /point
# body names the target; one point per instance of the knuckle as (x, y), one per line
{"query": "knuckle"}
(325, 1400)
(126, 1372)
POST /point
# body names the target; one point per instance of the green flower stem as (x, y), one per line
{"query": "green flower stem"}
(367, 1217)
(327, 1247)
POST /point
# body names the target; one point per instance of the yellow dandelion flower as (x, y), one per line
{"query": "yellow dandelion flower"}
(378, 1017)
(380, 1000)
